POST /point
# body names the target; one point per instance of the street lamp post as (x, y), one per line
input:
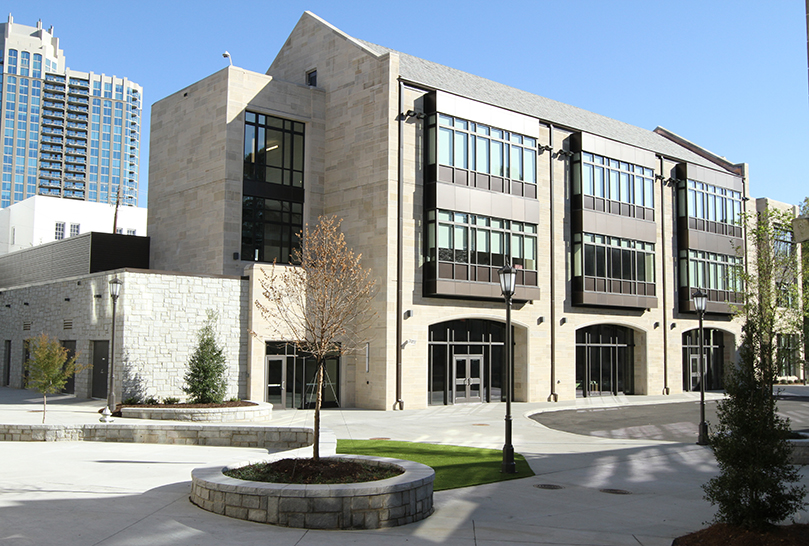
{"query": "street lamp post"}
(508, 281)
(700, 302)
(115, 291)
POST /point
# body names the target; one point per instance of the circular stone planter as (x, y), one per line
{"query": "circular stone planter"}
(800, 451)
(403, 499)
(259, 411)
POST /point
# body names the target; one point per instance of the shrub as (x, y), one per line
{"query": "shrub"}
(171, 400)
(205, 379)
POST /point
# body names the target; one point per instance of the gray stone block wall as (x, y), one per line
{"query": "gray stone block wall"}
(157, 320)
(400, 500)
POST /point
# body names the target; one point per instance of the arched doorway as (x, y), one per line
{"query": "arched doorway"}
(714, 360)
(466, 362)
(605, 363)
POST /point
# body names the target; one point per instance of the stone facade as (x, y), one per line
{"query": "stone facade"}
(158, 316)
(271, 438)
(367, 149)
(371, 120)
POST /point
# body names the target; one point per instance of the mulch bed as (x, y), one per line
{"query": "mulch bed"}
(182, 405)
(722, 534)
(309, 471)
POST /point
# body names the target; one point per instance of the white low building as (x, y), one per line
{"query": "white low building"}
(42, 219)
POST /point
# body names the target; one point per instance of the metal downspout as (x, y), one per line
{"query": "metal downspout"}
(666, 389)
(399, 404)
(553, 397)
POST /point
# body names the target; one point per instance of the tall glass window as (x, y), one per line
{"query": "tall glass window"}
(709, 270)
(713, 203)
(11, 66)
(480, 240)
(613, 258)
(273, 150)
(615, 180)
(270, 229)
(488, 150)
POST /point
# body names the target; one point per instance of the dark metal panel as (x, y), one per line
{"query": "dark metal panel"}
(110, 251)
(72, 257)
(602, 223)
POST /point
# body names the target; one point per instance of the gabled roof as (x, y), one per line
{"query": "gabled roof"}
(451, 80)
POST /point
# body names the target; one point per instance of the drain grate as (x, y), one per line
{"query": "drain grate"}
(548, 486)
(616, 491)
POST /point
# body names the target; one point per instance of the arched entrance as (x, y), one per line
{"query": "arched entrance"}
(714, 360)
(605, 363)
(466, 362)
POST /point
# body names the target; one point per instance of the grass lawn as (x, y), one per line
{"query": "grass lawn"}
(454, 466)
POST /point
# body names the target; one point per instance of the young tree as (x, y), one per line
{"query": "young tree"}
(207, 369)
(750, 442)
(321, 302)
(49, 368)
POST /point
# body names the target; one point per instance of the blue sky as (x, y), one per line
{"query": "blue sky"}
(730, 76)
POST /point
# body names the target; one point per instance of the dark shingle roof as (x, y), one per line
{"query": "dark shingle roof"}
(461, 83)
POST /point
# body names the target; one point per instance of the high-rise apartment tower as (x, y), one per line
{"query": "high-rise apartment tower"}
(66, 133)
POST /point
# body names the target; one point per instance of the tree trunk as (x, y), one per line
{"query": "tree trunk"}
(44, 406)
(318, 400)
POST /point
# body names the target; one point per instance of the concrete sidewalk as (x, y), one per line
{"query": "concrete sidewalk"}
(130, 494)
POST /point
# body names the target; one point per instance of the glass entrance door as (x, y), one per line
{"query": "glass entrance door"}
(276, 380)
(467, 376)
(604, 361)
(694, 372)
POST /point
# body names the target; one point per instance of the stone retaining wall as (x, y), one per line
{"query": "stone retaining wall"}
(800, 451)
(271, 438)
(261, 411)
(370, 505)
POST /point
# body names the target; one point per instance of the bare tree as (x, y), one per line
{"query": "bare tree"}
(321, 302)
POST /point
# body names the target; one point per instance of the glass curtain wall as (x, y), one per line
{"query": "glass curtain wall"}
(466, 360)
(296, 375)
(604, 361)
(714, 359)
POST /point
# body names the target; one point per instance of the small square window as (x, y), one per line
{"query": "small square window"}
(60, 231)
(74, 229)
(311, 78)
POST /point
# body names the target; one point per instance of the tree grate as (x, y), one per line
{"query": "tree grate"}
(548, 486)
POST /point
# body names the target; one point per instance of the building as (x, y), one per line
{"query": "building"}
(785, 276)
(67, 133)
(41, 219)
(441, 177)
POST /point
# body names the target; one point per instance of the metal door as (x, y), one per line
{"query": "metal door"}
(694, 369)
(101, 353)
(276, 380)
(467, 374)
(7, 363)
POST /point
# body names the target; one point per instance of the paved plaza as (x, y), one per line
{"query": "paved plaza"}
(89, 493)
